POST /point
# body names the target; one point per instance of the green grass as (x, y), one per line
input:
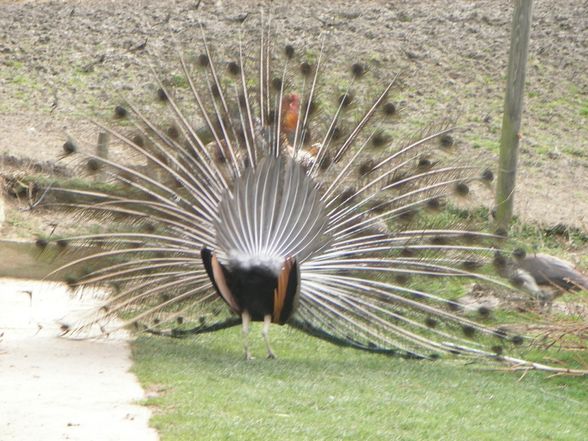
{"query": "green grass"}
(317, 391)
(492, 145)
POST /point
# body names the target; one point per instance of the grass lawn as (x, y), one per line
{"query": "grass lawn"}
(318, 391)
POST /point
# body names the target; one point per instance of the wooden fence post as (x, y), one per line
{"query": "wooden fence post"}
(102, 149)
(513, 105)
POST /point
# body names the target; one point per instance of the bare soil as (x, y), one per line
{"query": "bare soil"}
(63, 61)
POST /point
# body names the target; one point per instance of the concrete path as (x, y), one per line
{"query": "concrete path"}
(58, 389)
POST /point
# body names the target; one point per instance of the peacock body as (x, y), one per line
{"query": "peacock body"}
(262, 198)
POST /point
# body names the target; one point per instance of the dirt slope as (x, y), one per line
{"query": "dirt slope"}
(57, 57)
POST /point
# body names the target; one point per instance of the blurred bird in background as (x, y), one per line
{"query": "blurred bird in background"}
(547, 276)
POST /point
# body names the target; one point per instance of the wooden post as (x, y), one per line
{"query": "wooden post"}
(102, 146)
(2, 216)
(513, 105)
(102, 151)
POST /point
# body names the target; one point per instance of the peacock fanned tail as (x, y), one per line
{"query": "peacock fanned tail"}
(259, 192)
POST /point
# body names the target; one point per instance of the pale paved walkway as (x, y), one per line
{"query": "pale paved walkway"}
(57, 389)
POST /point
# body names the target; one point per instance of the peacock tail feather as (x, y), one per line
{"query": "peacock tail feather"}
(254, 162)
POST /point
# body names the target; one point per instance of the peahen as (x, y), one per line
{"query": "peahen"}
(257, 197)
(545, 277)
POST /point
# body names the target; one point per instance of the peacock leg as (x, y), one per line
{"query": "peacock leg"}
(267, 319)
(246, 318)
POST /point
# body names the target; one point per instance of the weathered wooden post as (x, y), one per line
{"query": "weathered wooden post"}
(2, 216)
(102, 148)
(513, 105)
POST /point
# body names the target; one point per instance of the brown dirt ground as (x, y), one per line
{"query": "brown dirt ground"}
(452, 56)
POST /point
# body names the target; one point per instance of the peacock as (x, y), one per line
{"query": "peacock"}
(255, 193)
